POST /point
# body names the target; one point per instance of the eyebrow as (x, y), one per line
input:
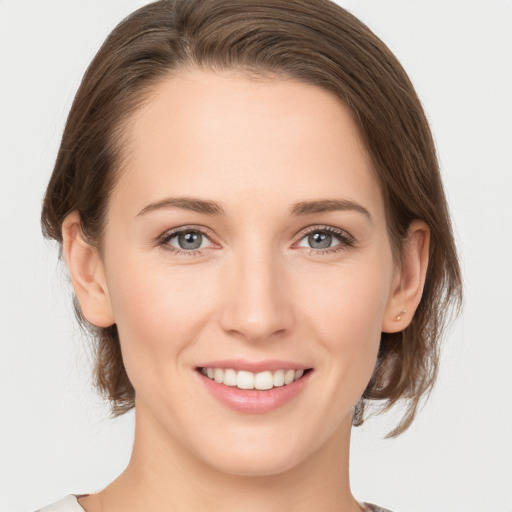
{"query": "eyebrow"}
(301, 208)
(186, 203)
(328, 205)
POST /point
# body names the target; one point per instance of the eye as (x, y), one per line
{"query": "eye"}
(186, 240)
(326, 239)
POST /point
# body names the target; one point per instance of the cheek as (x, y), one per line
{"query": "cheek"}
(344, 311)
(159, 310)
(350, 301)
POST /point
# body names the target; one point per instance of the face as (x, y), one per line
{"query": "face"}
(245, 243)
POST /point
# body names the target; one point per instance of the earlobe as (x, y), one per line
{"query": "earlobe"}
(410, 279)
(86, 273)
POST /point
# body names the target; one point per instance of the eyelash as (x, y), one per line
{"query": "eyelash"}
(166, 237)
(345, 239)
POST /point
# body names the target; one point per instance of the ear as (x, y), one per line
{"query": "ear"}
(409, 280)
(87, 273)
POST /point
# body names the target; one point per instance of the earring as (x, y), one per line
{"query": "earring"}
(399, 317)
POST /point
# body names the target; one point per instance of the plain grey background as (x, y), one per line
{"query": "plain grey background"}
(55, 434)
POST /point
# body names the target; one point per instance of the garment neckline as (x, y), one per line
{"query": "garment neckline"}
(365, 506)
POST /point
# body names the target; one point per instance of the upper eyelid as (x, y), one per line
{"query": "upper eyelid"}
(175, 231)
(341, 233)
(326, 227)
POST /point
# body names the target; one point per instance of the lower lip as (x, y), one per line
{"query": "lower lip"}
(255, 401)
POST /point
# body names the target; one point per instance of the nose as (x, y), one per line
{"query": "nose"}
(258, 303)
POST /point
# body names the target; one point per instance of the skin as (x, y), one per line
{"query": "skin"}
(256, 290)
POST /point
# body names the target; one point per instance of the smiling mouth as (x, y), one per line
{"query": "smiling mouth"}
(263, 381)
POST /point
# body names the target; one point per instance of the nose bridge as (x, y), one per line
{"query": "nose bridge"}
(257, 303)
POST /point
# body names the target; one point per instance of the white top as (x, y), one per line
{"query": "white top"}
(70, 504)
(67, 504)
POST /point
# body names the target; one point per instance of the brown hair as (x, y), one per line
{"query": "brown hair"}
(313, 41)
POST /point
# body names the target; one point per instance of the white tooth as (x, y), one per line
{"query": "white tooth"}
(245, 380)
(278, 378)
(219, 375)
(289, 376)
(230, 377)
(210, 372)
(299, 374)
(263, 380)
(203, 371)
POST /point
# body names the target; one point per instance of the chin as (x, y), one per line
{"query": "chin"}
(257, 455)
(256, 466)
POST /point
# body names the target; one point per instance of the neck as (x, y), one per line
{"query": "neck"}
(162, 476)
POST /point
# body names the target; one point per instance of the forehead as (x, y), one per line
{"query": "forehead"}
(219, 135)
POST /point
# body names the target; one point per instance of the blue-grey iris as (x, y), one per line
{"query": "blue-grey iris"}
(320, 240)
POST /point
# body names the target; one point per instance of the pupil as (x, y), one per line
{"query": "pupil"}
(190, 240)
(320, 240)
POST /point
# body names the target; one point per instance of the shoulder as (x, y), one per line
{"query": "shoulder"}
(67, 504)
(370, 507)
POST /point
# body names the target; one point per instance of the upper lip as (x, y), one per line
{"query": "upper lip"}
(255, 366)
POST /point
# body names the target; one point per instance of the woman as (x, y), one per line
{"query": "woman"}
(249, 204)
